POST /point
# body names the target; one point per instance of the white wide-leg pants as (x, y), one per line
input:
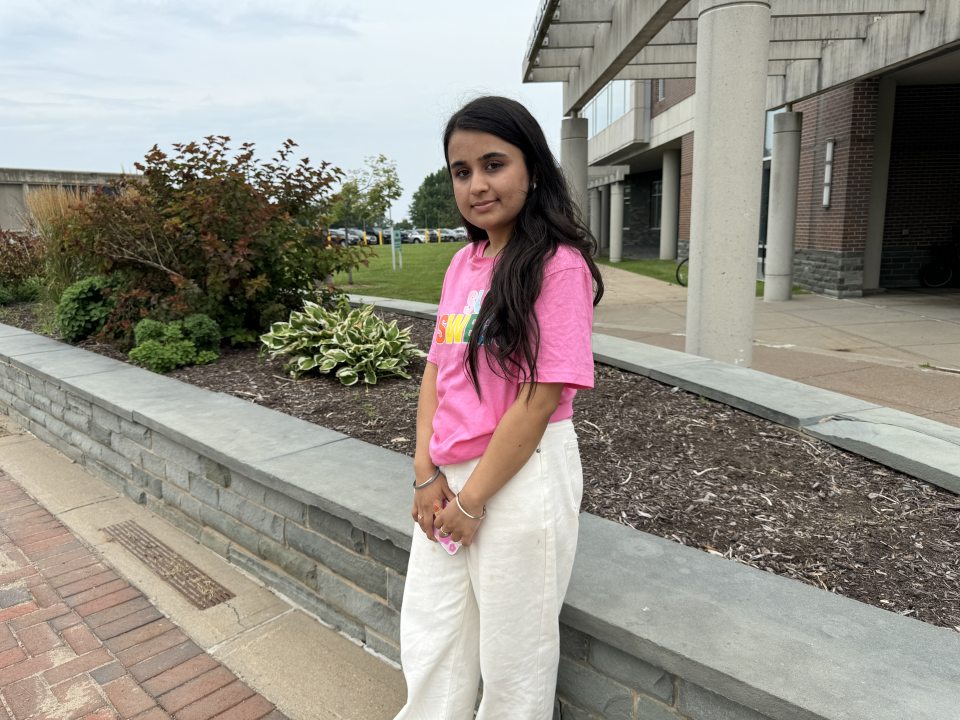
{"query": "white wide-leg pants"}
(492, 609)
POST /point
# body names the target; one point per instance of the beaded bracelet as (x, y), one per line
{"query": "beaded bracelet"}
(481, 516)
(430, 481)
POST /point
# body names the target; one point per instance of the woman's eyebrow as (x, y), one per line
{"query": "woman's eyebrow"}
(485, 156)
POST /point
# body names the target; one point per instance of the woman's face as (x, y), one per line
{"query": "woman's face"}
(490, 180)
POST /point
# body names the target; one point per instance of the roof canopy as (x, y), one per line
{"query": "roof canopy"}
(814, 44)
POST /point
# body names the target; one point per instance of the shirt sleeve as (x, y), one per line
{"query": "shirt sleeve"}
(564, 312)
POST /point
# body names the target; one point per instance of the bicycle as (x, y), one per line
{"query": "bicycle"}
(945, 265)
(682, 270)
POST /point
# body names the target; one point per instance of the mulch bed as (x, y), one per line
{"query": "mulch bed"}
(677, 465)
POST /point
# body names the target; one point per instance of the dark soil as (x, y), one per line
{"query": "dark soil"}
(680, 466)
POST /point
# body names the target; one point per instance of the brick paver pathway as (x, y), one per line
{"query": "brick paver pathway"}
(77, 641)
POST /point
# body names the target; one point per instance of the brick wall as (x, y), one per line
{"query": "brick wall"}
(686, 192)
(923, 185)
(675, 91)
(846, 115)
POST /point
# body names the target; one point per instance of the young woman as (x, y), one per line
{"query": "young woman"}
(497, 467)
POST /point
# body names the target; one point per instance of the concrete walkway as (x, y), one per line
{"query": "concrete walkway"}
(894, 349)
(107, 637)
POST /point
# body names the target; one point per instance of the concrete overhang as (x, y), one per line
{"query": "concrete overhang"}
(814, 44)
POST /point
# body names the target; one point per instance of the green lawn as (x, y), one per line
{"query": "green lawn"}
(420, 279)
(666, 270)
(424, 265)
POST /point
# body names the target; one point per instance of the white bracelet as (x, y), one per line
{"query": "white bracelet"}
(481, 516)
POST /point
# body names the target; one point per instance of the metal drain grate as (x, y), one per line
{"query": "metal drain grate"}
(198, 587)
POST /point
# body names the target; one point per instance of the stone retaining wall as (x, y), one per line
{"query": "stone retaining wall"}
(651, 629)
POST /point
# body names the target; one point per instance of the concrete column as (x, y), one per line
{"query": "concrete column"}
(732, 52)
(595, 210)
(670, 205)
(604, 217)
(573, 158)
(616, 222)
(878, 184)
(782, 214)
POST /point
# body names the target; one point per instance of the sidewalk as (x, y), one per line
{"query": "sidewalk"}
(88, 630)
(883, 349)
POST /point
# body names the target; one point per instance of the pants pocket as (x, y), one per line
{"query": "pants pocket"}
(574, 471)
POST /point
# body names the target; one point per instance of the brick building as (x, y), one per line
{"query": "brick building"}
(869, 152)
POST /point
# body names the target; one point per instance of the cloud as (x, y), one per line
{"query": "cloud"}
(93, 84)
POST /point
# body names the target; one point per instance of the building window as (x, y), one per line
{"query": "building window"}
(609, 105)
(656, 198)
(661, 90)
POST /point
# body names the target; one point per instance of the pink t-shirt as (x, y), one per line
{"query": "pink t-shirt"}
(464, 424)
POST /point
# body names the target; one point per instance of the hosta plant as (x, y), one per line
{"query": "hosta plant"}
(352, 343)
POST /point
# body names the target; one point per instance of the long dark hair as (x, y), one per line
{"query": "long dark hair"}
(506, 324)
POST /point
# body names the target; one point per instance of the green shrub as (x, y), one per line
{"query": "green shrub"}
(29, 290)
(161, 356)
(207, 229)
(165, 346)
(6, 295)
(354, 343)
(84, 307)
(148, 329)
(202, 330)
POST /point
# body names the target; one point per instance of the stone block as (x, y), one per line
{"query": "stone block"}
(254, 516)
(395, 585)
(79, 405)
(646, 708)
(76, 420)
(99, 433)
(204, 490)
(389, 554)
(593, 691)
(335, 527)
(230, 527)
(105, 418)
(569, 711)
(370, 610)
(380, 645)
(126, 447)
(215, 472)
(250, 489)
(285, 505)
(186, 503)
(175, 452)
(210, 538)
(300, 595)
(363, 571)
(154, 464)
(174, 472)
(698, 703)
(136, 432)
(573, 643)
(631, 671)
(292, 562)
(151, 483)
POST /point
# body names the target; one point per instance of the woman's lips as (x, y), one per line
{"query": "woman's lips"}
(483, 206)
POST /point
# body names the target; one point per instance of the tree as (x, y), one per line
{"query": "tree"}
(433, 204)
(366, 195)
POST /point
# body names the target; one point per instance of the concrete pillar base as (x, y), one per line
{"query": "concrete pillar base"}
(573, 158)
(782, 214)
(616, 222)
(670, 205)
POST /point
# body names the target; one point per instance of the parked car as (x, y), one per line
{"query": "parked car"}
(458, 234)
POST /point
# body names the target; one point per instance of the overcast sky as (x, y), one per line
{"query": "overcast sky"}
(93, 84)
